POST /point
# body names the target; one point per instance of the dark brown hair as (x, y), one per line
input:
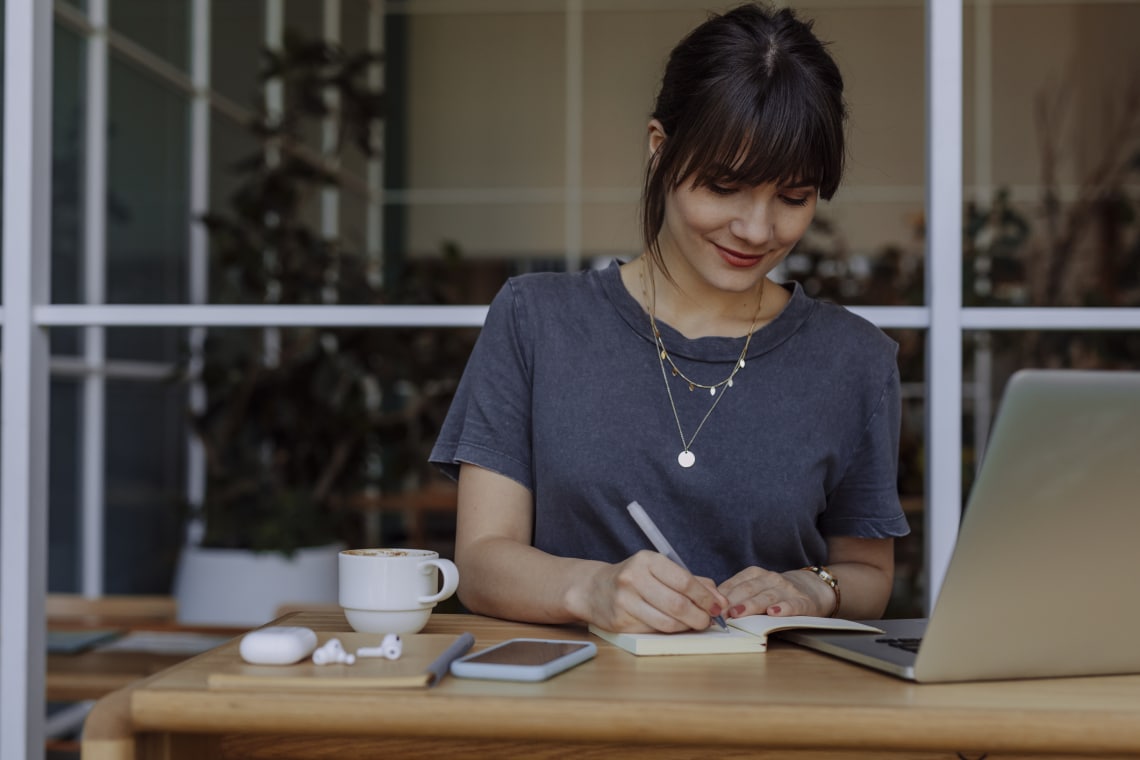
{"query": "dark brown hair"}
(748, 97)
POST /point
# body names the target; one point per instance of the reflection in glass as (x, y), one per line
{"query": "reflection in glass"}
(236, 44)
(147, 222)
(65, 546)
(145, 480)
(69, 71)
(163, 28)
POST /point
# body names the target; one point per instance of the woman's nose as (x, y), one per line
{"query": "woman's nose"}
(753, 223)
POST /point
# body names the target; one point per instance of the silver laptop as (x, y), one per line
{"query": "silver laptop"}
(1043, 578)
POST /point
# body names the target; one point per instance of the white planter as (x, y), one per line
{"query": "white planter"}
(236, 587)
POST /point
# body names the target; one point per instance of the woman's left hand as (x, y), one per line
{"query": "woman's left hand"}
(756, 591)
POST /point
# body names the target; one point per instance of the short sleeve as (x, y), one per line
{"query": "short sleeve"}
(865, 503)
(489, 422)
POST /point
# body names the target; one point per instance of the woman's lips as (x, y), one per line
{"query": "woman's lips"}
(737, 259)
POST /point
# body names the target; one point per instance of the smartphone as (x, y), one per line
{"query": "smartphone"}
(524, 659)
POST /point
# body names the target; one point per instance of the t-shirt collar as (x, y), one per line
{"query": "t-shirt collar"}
(787, 323)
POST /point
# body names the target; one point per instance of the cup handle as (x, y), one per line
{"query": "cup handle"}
(450, 579)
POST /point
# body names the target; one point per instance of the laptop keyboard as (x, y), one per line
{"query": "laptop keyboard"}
(910, 645)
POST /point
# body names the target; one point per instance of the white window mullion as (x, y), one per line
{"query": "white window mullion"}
(238, 315)
(982, 193)
(26, 135)
(199, 267)
(943, 287)
(330, 194)
(93, 409)
(178, 315)
(274, 40)
(374, 222)
(983, 102)
(274, 113)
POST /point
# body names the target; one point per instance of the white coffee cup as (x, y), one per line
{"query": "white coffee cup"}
(393, 590)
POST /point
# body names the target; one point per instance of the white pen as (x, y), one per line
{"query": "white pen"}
(661, 544)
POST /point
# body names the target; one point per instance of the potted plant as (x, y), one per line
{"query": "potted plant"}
(298, 421)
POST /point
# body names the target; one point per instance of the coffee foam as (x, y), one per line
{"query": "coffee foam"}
(389, 552)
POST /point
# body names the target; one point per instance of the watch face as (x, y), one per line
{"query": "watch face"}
(825, 575)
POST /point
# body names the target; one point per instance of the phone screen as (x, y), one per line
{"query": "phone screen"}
(526, 652)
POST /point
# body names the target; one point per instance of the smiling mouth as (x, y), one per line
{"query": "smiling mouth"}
(738, 259)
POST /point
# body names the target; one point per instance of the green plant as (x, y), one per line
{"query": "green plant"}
(298, 420)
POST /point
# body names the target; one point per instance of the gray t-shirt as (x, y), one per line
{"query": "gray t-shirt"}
(564, 394)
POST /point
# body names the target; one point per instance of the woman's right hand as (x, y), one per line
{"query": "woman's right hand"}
(646, 592)
(503, 575)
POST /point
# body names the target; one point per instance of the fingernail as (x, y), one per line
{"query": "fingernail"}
(774, 609)
(714, 611)
(737, 610)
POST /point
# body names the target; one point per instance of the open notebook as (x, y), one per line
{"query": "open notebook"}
(1040, 581)
(746, 634)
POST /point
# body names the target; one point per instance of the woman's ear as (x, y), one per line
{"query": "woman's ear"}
(656, 137)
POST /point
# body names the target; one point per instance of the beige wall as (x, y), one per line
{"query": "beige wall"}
(488, 111)
(1090, 51)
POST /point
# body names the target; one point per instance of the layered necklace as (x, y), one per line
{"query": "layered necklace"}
(686, 458)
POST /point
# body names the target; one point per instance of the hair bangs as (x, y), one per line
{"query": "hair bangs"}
(776, 137)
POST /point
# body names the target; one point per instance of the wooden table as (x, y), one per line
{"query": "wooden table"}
(789, 702)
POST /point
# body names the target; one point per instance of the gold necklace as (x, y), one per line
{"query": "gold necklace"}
(686, 458)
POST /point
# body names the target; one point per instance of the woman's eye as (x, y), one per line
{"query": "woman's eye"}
(722, 189)
(794, 201)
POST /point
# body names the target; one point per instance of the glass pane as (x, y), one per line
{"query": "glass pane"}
(147, 220)
(69, 71)
(145, 483)
(230, 144)
(304, 17)
(237, 40)
(65, 547)
(67, 341)
(356, 164)
(1052, 155)
(68, 154)
(160, 26)
(354, 20)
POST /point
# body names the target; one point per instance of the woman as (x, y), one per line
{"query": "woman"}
(757, 427)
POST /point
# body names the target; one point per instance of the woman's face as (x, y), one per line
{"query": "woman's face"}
(730, 237)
